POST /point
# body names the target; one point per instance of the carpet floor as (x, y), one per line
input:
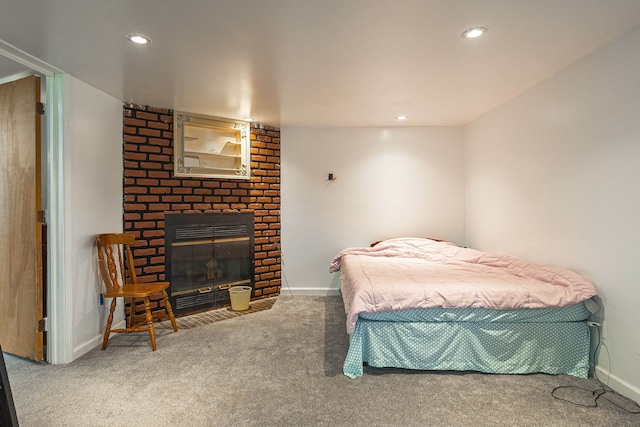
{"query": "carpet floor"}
(283, 367)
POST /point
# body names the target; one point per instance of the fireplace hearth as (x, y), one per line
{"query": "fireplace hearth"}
(205, 255)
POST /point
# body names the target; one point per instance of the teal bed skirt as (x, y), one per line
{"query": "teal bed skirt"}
(552, 341)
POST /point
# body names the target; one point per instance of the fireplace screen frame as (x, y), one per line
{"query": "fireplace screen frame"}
(210, 289)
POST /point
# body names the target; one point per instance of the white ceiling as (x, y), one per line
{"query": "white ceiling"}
(315, 62)
(10, 69)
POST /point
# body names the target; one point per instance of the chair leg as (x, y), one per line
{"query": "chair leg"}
(167, 306)
(107, 330)
(152, 332)
(132, 314)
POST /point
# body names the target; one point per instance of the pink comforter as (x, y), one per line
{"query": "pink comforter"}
(407, 273)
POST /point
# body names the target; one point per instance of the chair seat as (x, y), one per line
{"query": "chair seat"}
(137, 290)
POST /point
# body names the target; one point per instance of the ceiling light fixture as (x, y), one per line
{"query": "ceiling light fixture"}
(473, 33)
(138, 39)
(401, 117)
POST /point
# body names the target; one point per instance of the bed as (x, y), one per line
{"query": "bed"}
(431, 305)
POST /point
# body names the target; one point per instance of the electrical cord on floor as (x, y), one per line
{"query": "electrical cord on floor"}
(598, 393)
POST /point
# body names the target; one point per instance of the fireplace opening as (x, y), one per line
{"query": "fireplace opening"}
(205, 255)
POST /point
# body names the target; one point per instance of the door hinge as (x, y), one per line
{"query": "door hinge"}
(42, 216)
(40, 108)
(43, 325)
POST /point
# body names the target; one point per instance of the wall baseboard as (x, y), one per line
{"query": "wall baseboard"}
(618, 384)
(96, 341)
(324, 292)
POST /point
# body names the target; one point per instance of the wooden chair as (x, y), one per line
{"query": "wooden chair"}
(113, 250)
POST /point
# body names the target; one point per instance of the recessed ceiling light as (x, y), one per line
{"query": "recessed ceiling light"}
(401, 117)
(138, 39)
(473, 33)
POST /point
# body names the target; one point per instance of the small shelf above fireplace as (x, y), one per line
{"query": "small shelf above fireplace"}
(212, 147)
(205, 255)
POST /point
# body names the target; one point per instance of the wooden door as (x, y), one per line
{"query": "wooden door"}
(21, 290)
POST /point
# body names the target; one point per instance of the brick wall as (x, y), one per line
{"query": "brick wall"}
(151, 191)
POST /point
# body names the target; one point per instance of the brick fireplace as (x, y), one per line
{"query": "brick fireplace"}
(151, 191)
(206, 254)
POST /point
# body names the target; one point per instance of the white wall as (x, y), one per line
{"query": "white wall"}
(92, 141)
(391, 182)
(554, 176)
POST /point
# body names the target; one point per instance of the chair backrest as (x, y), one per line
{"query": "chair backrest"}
(113, 250)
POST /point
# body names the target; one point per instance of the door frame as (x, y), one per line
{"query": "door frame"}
(59, 339)
(59, 306)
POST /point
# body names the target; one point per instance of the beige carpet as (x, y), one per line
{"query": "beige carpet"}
(282, 367)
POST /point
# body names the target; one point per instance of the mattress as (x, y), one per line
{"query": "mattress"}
(412, 273)
(573, 313)
(420, 304)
